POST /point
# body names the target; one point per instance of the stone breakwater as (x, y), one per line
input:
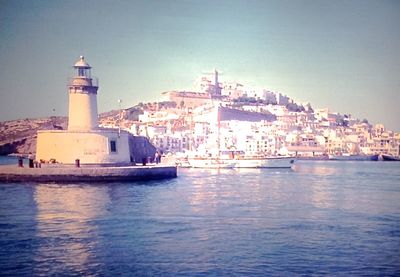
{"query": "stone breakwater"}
(68, 174)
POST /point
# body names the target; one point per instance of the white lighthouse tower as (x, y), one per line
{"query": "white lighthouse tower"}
(82, 98)
(84, 140)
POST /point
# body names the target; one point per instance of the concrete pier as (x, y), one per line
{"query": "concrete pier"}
(68, 174)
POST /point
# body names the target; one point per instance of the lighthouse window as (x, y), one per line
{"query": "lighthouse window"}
(81, 72)
(113, 146)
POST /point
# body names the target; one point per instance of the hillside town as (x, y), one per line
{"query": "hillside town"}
(230, 115)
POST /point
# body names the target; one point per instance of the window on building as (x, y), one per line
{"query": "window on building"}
(113, 146)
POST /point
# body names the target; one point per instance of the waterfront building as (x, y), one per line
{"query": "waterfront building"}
(305, 144)
(174, 142)
(385, 142)
(334, 144)
(259, 143)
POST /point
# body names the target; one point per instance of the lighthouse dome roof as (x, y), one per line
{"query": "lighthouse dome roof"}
(82, 63)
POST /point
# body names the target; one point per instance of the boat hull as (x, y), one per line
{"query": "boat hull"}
(389, 158)
(354, 158)
(273, 162)
(210, 163)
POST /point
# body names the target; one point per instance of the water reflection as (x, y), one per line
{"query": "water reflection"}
(214, 191)
(321, 197)
(321, 169)
(65, 226)
(235, 192)
(318, 177)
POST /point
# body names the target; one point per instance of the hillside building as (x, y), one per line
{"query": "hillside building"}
(187, 99)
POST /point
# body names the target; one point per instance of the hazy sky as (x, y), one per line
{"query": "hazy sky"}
(344, 55)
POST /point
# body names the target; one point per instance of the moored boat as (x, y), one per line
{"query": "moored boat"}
(264, 162)
(209, 162)
(389, 158)
(238, 159)
(353, 157)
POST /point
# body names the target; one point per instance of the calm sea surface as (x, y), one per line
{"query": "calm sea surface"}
(333, 218)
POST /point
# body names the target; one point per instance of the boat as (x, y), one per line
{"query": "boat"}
(238, 159)
(265, 162)
(389, 158)
(374, 157)
(243, 160)
(347, 157)
(210, 162)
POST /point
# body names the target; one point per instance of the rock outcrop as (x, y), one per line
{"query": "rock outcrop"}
(19, 136)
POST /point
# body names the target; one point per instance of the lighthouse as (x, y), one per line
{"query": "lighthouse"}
(84, 140)
(82, 89)
(85, 151)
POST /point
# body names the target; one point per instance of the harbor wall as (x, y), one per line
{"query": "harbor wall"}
(68, 174)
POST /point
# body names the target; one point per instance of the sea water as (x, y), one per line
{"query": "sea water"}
(319, 218)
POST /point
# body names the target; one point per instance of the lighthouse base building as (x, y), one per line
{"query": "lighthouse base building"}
(84, 140)
(95, 147)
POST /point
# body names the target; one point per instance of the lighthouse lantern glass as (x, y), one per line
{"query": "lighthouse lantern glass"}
(83, 72)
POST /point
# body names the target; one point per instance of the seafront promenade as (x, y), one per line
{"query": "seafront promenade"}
(66, 174)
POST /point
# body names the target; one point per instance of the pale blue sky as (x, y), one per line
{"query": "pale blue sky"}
(343, 55)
